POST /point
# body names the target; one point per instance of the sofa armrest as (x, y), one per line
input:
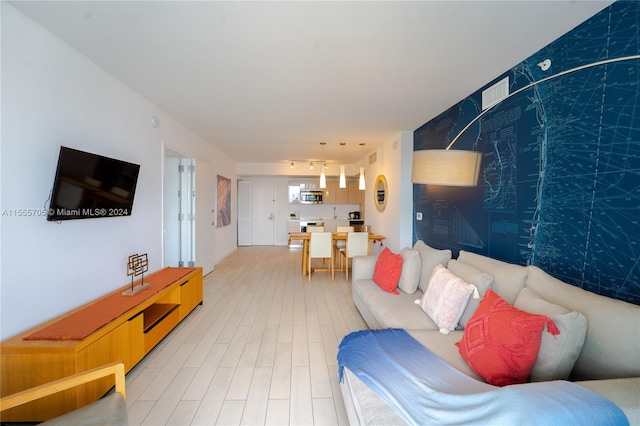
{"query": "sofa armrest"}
(363, 267)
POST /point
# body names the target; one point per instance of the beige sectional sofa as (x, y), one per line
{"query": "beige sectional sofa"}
(601, 351)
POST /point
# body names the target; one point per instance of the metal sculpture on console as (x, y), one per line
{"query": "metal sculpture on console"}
(137, 264)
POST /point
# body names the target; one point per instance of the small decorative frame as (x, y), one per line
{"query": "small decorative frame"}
(380, 193)
(137, 264)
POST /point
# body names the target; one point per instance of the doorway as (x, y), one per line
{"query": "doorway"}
(256, 203)
(178, 210)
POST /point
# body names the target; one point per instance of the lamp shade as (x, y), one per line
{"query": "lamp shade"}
(343, 180)
(361, 184)
(446, 167)
(323, 179)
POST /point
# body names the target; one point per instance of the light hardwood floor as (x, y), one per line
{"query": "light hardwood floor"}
(260, 350)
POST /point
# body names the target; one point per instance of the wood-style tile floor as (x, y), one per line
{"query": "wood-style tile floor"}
(260, 350)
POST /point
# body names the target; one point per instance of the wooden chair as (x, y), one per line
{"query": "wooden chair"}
(341, 244)
(110, 410)
(357, 245)
(320, 248)
(315, 228)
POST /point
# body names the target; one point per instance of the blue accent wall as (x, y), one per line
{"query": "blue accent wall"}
(560, 181)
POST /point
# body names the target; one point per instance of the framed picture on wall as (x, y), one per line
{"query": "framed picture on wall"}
(224, 201)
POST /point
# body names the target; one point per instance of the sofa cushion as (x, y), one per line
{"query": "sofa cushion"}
(613, 328)
(501, 342)
(446, 298)
(445, 347)
(411, 267)
(557, 354)
(475, 276)
(508, 279)
(388, 270)
(108, 411)
(390, 310)
(430, 257)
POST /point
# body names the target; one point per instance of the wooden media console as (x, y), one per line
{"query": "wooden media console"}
(126, 329)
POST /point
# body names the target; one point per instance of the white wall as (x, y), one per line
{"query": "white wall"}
(394, 162)
(53, 96)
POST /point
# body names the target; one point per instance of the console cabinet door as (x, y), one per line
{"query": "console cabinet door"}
(190, 295)
(21, 371)
(124, 343)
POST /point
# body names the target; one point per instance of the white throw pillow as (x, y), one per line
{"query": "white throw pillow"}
(557, 354)
(446, 298)
(411, 267)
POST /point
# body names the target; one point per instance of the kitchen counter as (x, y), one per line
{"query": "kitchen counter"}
(325, 218)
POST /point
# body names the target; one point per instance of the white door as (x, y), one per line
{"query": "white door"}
(244, 213)
(178, 210)
(171, 206)
(186, 214)
(262, 213)
(205, 216)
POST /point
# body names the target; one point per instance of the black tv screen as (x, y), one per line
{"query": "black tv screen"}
(91, 186)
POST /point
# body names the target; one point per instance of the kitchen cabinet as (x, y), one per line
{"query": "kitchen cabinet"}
(354, 195)
(342, 194)
(329, 196)
(293, 226)
(330, 225)
(342, 222)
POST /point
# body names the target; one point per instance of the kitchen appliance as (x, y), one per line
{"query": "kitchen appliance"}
(305, 223)
(354, 215)
(357, 225)
(311, 196)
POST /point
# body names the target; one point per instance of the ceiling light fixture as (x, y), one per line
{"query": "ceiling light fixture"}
(361, 183)
(323, 177)
(291, 166)
(343, 179)
(311, 165)
(462, 168)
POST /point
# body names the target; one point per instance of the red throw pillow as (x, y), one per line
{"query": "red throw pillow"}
(387, 271)
(501, 343)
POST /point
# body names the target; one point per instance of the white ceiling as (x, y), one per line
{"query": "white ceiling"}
(268, 81)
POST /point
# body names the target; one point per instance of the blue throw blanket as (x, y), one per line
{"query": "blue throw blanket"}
(423, 389)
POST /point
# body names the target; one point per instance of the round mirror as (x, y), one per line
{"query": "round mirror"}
(380, 193)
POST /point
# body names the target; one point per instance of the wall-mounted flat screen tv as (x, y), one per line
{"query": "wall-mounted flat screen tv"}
(91, 186)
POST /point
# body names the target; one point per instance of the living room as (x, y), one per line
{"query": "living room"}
(54, 96)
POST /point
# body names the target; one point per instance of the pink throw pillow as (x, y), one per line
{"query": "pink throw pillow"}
(446, 298)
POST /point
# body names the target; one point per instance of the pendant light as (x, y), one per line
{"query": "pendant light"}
(361, 184)
(343, 179)
(323, 177)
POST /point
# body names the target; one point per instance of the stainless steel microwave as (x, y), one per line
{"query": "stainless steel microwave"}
(310, 196)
